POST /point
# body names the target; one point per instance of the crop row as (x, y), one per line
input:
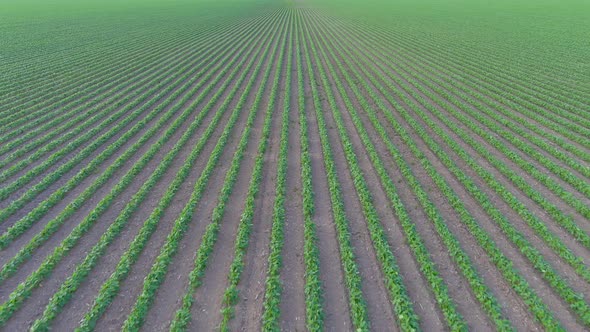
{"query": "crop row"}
(481, 291)
(313, 286)
(352, 279)
(427, 266)
(272, 295)
(57, 138)
(71, 208)
(231, 294)
(504, 265)
(565, 221)
(64, 125)
(26, 222)
(156, 275)
(462, 68)
(67, 289)
(183, 314)
(82, 270)
(77, 106)
(52, 70)
(528, 251)
(209, 238)
(82, 59)
(517, 142)
(189, 74)
(541, 229)
(557, 83)
(20, 66)
(164, 72)
(33, 109)
(110, 65)
(478, 82)
(42, 107)
(51, 73)
(458, 85)
(110, 287)
(507, 141)
(509, 90)
(556, 169)
(407, 318)
(38, 212)
(512, 76)
(45, 115)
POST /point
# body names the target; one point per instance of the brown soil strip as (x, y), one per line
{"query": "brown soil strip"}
(379, 308)
(206, 310)
(293, 269)
(248, 310)
(417, 287)
(335, 296)
(515, 309)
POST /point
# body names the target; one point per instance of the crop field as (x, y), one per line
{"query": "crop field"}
(295, 165)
